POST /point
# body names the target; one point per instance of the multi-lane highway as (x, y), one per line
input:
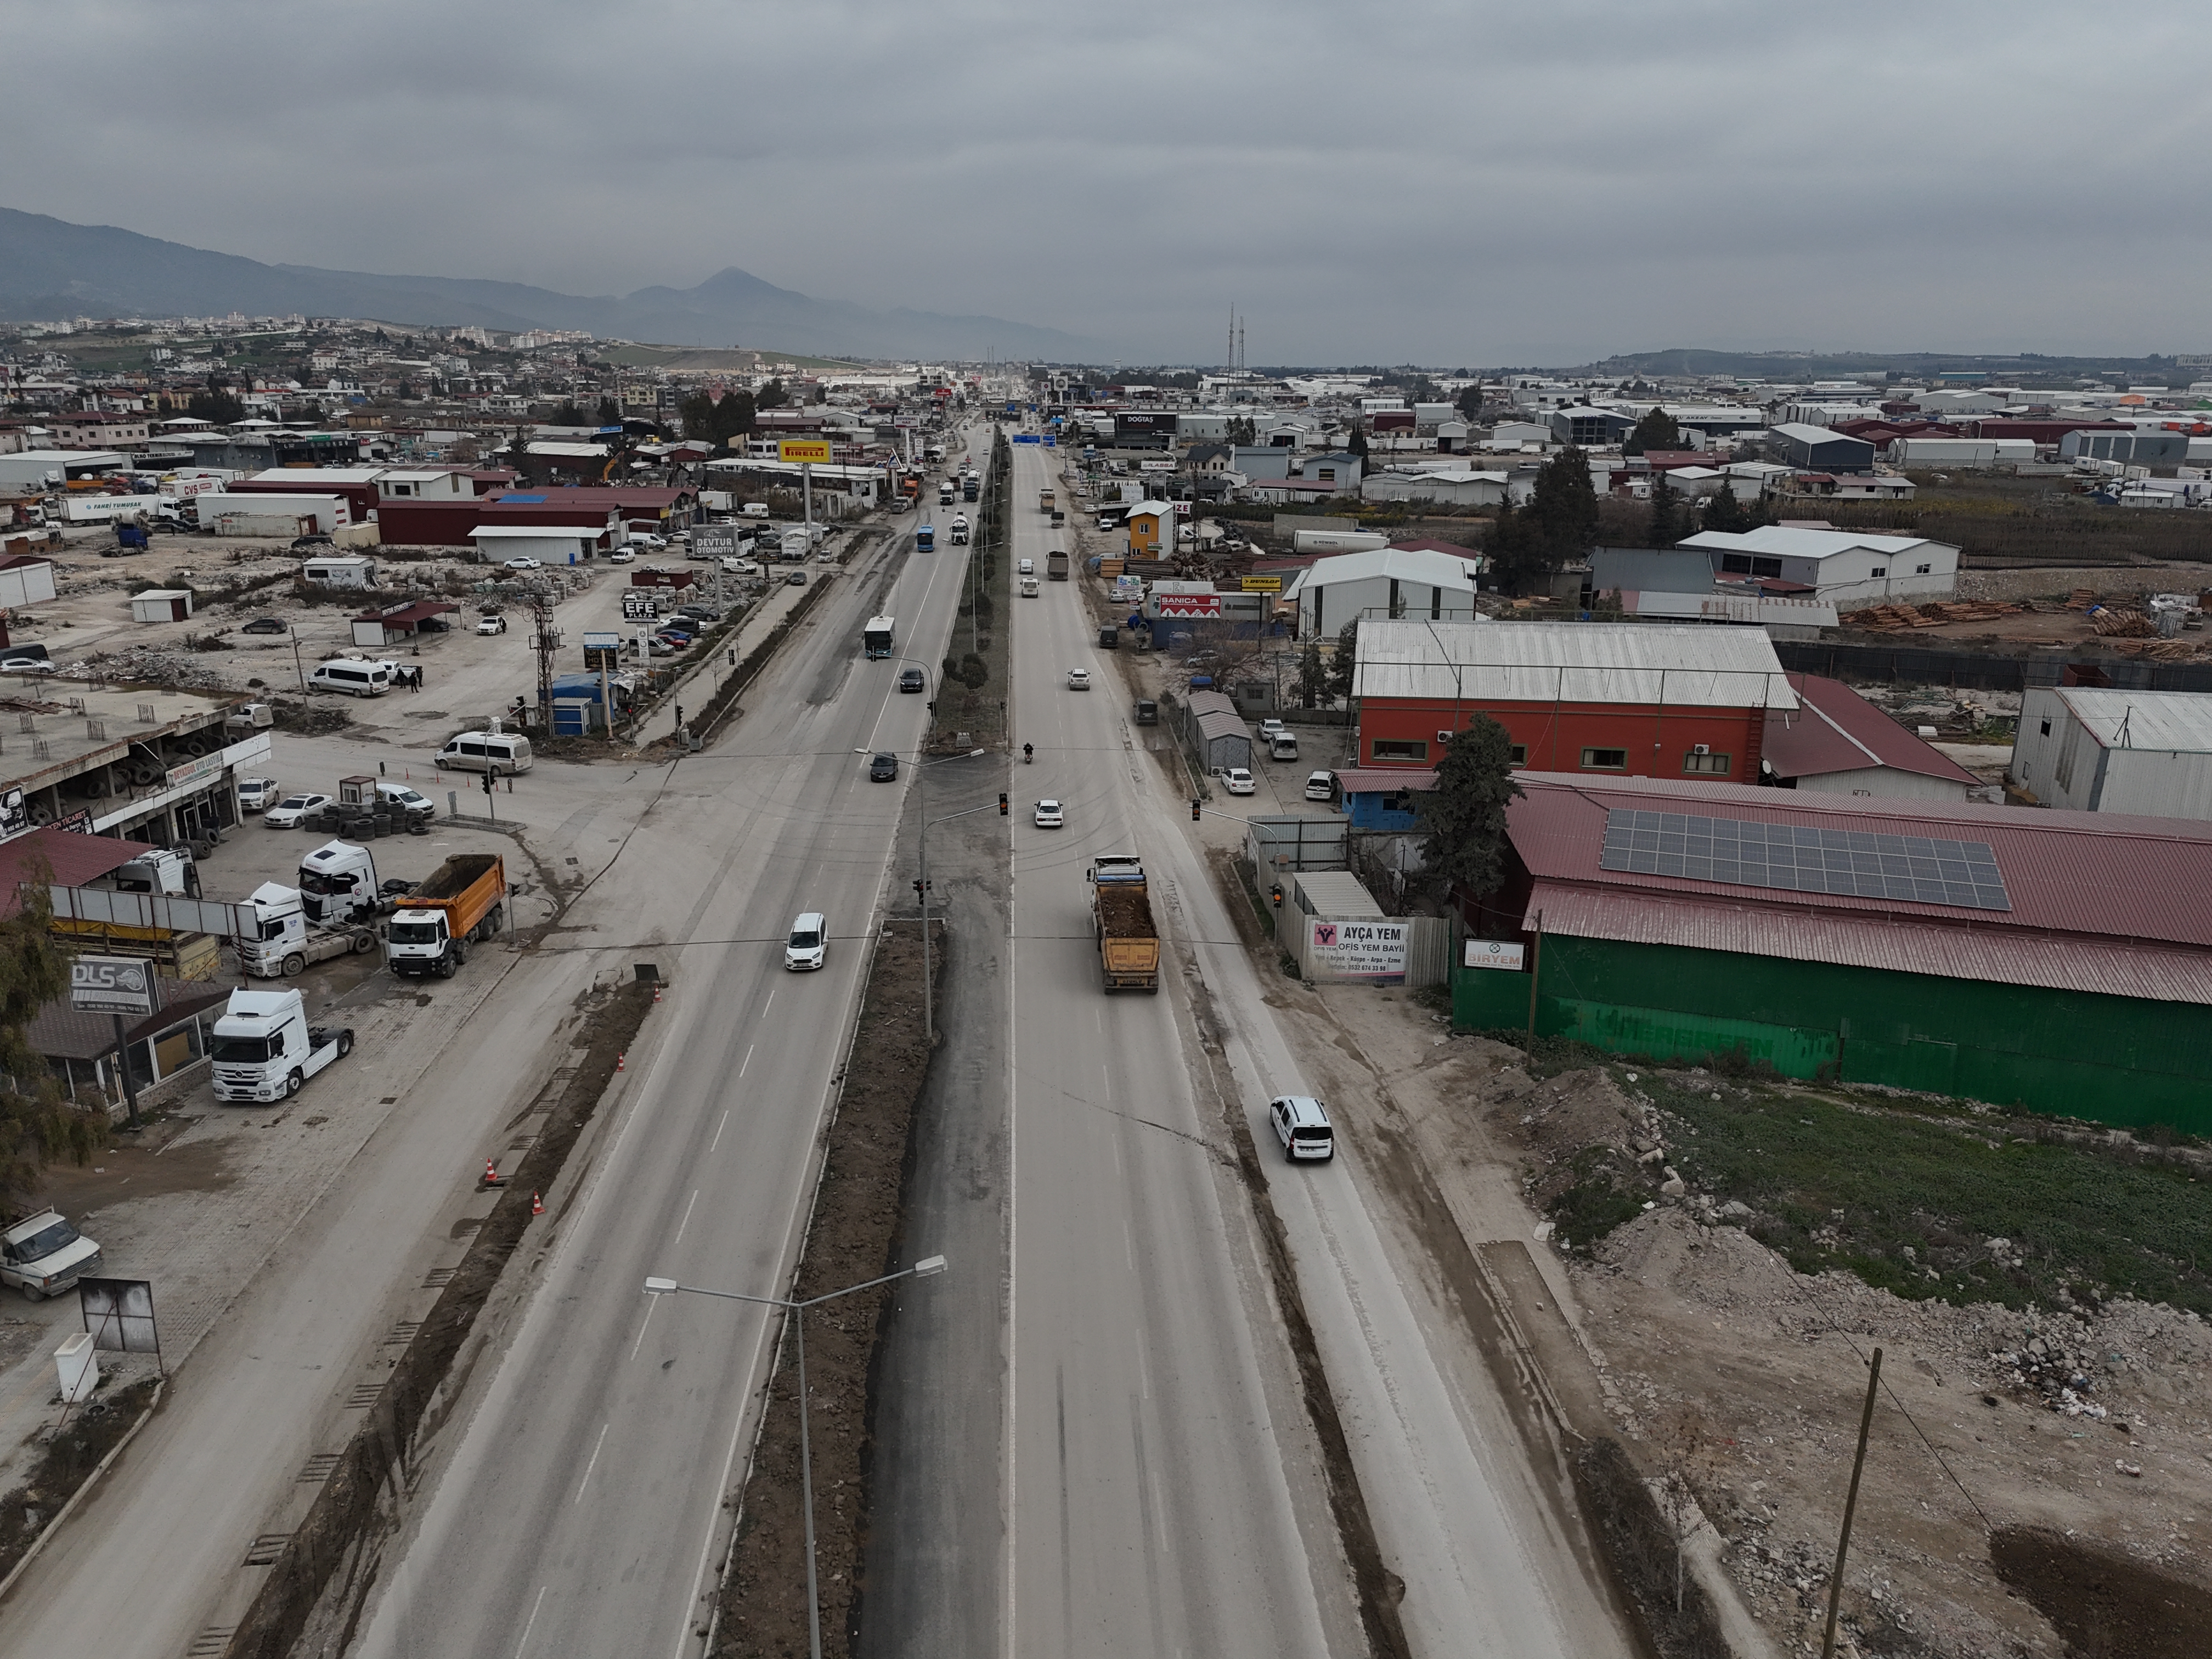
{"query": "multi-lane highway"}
(581, 1510)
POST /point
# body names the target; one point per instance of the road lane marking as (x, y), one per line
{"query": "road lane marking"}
(748, 1061)
(651, 1302)
(725, 1123)
(686, 1222)
(769, 1004)
(594, 1463)
(534, 1606)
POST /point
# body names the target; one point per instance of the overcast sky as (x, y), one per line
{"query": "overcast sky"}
(1370, 180)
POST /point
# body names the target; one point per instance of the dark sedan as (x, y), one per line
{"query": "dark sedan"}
(913, 679)
(883, 769)
(264, 625)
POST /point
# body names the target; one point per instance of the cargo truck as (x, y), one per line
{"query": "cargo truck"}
(1046, 500)
(959, 530)
(970, 487)
(1122, 916)
(264, 1049)
(285, 942)
(463, 902)
(1055, 566)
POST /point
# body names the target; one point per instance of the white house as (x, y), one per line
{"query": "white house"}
(1454, 485)
(1384, 581)
(566, 544)
(349, 570)
(1841, 565)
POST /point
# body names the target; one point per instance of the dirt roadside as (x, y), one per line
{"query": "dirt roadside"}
(2038, 1467)
(856, 1233)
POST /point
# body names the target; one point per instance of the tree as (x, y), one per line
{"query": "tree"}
(1339, 684)
(215, 404)
(1242, 431)
(608, 414)
(1357, 442)
(1313, 676)
(717, 421)
(1725, 512)
(1462, 819)
(1470, 404)
(38, 1123)
(1669, 520)
(1656, 430)
(772, 396)
(569, 415)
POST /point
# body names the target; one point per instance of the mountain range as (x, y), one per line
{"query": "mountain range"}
(50, 270)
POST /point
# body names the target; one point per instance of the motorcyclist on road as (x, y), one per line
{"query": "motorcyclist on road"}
(1028, 753)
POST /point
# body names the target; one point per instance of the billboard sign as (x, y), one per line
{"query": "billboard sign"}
(1151, 423)
(789, 449)
(119, 1314)
(1493, 953)
(112, 985)
(713, 541)
(1372, 952)
(1187, 605)
(1263, 583)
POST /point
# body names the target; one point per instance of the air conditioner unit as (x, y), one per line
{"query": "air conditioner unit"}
(1443, 737)
(1701, 749)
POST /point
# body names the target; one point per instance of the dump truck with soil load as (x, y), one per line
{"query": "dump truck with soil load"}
(1055, 565)
(463, 902)
(1121, 915)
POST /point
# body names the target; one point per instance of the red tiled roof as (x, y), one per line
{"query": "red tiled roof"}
(1430, 544)
(2101, 902)
(1839, 731)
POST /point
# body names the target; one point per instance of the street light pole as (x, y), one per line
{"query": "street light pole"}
(928, 1267)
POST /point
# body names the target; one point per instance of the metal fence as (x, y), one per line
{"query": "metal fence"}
(1278, 846)
(1981, 671)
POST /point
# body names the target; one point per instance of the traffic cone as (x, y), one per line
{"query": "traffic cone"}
(492, 1177)
(537, 1205)
(656, 990)
(620, 1058)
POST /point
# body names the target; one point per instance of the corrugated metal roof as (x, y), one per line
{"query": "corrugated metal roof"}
(1686, 667)
(2093, 877)
(1405, 564)
(1336, 893)
(1784, 541)
(74, 860)
(2175, 720)
(1213, 725)
(1799, 933)
(1385, 780)
(1837, 729)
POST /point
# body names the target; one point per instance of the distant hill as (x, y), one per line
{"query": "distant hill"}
(1848, 365)
(51, 269)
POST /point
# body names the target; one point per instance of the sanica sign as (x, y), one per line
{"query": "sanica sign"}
(804, 449)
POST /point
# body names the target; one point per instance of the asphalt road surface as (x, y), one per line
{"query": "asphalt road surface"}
(579, 1512)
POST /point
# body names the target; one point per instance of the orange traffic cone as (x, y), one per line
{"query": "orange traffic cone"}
(491, 1174)
(537, 1205)
(620, 1058)
(656, 990)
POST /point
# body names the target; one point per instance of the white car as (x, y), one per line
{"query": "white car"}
(287, 813)
(1270, 729)
(1025, 567)
(1078, 679)
(1048, 815)
(621, 556)
(808, 946)
(648, 541)
(492, 625)
(256, 793)
(1301, 1123)
(1320, 786)
(524, 562)
(1237, 781)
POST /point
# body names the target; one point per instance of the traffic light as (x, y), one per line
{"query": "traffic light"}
(1003, 808)
(1275, 895)
(1193, 809)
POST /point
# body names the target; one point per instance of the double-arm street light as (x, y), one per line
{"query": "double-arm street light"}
(924, 1268)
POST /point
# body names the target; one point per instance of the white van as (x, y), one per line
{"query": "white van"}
(355, 675)
(1301, 1123)
(1282, 745)
(503, 754)
(807, 948)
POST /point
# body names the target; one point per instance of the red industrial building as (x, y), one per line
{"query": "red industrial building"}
(1606, 698)
(446, 521)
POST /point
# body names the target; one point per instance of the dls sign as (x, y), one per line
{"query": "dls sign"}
(112, 985)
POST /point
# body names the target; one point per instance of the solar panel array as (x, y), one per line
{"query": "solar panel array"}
(1802, 858)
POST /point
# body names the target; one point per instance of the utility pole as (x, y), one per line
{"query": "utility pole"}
(546, 642)
(1850, 1506)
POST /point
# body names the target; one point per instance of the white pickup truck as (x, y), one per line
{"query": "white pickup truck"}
(264, 1049)
(43, 1256)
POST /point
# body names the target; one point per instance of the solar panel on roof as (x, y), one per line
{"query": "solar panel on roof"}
(1803, 859)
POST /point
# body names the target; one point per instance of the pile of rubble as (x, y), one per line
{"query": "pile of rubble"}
(2046, 1367)
(144, 666)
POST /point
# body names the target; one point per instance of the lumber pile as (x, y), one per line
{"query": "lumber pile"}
(1896, 618)
(2113, 624)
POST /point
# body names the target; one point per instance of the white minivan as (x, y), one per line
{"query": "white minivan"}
(1301, 1123)
(355, 675)
(501, 753)
(808, 945)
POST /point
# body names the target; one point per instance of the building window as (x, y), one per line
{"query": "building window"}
(1399, 749)
(1879, 570)
(2046, 728)
(1717, 764)
(1746, 564)
(1605, 760)
(1520, 755)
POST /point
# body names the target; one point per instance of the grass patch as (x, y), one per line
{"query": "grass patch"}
(1548, 1056)
(1907, 1198)
(1606, 1193)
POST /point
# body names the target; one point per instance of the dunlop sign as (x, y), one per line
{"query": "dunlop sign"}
(112, 985)
(803, 449)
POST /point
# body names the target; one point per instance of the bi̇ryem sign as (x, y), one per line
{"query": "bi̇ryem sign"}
(1372, 952)
(1493, 953)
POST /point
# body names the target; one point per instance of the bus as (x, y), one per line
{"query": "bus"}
(925, 539)
(876, 636)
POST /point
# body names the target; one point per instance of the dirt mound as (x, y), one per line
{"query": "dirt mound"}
(2104, 1603)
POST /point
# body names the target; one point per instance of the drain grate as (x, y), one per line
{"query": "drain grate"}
(320, 1468)
(364, 1396)
(266, 1548)
(437, 1278)
(210, 1642)
(402, 1333)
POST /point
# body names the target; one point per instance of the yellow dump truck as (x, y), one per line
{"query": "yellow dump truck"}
(1121, 913)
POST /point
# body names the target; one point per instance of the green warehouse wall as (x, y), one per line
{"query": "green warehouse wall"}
(2113, 1060)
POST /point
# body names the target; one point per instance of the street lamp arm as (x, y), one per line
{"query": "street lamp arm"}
(968, 812)
(670, 1287)
(923, 1269)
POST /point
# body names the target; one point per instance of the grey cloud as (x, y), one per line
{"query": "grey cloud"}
(1423, 181)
